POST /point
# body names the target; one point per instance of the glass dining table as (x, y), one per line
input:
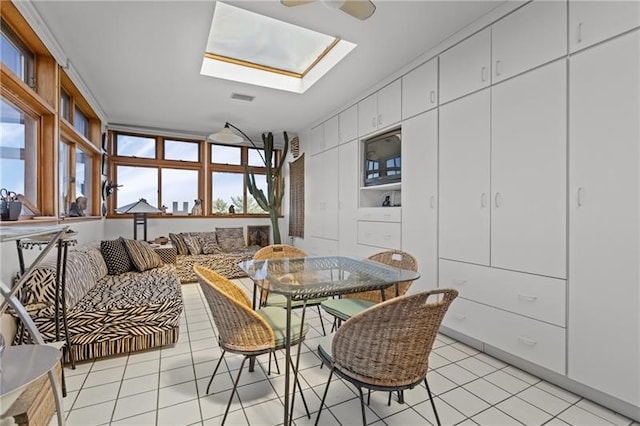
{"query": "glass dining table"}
(307, 278)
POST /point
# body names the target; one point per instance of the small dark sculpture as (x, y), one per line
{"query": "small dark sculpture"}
(232, 209)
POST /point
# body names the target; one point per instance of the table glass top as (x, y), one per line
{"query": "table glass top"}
(312, 277)
(12, 233)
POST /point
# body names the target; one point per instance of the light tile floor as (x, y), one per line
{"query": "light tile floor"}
(167, 387)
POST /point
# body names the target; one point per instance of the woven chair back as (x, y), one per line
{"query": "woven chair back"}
(389, 344)
(397, 259)
(240, 328)
(278, 251)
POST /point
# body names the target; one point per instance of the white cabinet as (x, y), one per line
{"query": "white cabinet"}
(380, 110)
(465, 160)
(420, 89)
(604, 200)
(466, 67)
(322, 198)
(316, 140)
(591, 22)
(348, 125)
(385, 235)
(533, 35)
(528, 172)
(420, 196)
(526, 338)
(348, 199)
(331, 133)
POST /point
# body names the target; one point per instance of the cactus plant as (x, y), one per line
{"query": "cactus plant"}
(272, 200)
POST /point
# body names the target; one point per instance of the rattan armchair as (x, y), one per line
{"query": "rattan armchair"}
(241, 329)
(350, 304)
(387, 347)
(284, 251)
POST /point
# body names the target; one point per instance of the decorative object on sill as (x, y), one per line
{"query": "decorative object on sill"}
(10, 207)
(140, 209)
(108, 187)
(196, 210)
(26, 203)
(163, 209)
(78, 207)
(232, 209)
(184, 211)
(271, 201)
(295, 147)
(161, 240)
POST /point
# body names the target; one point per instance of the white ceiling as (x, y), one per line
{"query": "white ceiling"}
(141, 59)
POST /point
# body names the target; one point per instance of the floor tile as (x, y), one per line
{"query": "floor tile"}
(491, 360)
(447, 414)
(139, 385)
(407, 416)
(525, 377)
(600, 411)
(176, 376)
(464, 401)
(451, 353)
(487, 391)
(82, 368)
(96, 394)
(457, 374)
(494, 417)
(578, 416)
(142, 369)
(206, 333)
(476, 366)
(523, 411)
(139, 420)
(544, 400)
(176, 361)
(214, 405)
(104, 364)
(465, 348)
(97, 414)
(436, 361)
(180, 414)
(438, 384)
(136, 404)
(559, 392)
(95, 378)
(177, 394)
(149, 355)
(265, 413)
(349, 413)
(75, 382)
(507, 382)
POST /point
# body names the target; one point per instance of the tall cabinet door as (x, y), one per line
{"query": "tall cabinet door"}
(419, 195)
(313, 197)
(528, 172)
(604, 219)
(348, 198)
(594, 21)
(464, 178)
(329, 182)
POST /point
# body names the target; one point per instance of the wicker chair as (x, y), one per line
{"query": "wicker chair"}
(350, 304)
(387, 347)
(284, 251)
(242, 330)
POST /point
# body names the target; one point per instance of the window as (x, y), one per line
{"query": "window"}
(137, 182)
(65, 105)
(228, 190)
(75, 181)
(64, 191)
(181, 150)
(81, 122)
(18, 151)
(84, 161)
(256, 158)
(135, 146)
(179, 186)
(16, 56)
(223, 154)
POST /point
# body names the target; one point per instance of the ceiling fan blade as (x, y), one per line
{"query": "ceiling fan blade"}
(361, 9)
(290, 3)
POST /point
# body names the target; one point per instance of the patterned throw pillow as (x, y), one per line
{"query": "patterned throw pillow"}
(231, 239)
(116, 257)
(142, 255)
(178, 243)
(208, 242)
(192, 242)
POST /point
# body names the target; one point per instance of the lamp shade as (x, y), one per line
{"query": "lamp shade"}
(140, 206)
(225, 136)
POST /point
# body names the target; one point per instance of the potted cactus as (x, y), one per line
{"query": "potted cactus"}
(271, 201)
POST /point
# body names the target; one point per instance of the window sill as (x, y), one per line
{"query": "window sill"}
(216, 216)
(47, 220)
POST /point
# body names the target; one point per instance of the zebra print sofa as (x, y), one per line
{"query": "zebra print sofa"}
(107, 314)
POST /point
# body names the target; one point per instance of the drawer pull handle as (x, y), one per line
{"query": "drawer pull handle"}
(527, 341)
(459, 282)
(432, 96)
(432, 202)
(580, 32)
(483, 74)
(527, 298)
(460, 317)
(498, 67)
(580, 198)
(483, 200)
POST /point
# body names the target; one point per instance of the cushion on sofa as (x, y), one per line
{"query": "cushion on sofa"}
(116, 257)
(208, 242)
(231, 239)
(142, 255)
(192, 242)
(178, 243)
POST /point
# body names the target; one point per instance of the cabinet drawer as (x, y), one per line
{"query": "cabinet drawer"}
(379, 234)
(534, 341)
(380, 214)
(533, 296)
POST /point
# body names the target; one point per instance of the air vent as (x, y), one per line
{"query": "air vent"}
(241, 97)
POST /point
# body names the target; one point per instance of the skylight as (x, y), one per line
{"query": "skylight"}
(251, 48)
